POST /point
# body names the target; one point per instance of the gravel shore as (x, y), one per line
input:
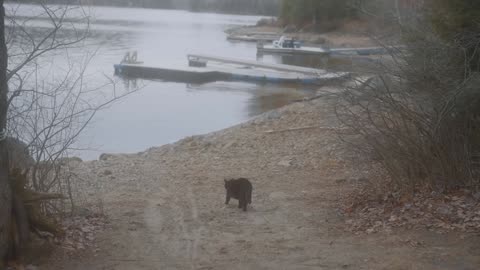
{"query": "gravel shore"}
(166, 208)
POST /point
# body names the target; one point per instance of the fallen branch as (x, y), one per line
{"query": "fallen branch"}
(306, 128)
(319, 96)
(30, 197)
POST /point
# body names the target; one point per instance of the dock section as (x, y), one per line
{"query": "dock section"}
(257, 64)
(187, 75)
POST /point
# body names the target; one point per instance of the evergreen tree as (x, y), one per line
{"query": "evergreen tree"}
(458, 22)
(314, 11)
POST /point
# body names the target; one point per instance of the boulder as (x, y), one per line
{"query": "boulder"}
(105, 157)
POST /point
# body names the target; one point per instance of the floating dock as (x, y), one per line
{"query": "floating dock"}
(271, 49)
(228, 69)
(257, 64)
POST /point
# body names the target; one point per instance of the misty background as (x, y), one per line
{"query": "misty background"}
(253, 7)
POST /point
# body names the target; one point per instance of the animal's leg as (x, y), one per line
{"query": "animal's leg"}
(245, 202)
(227, 200)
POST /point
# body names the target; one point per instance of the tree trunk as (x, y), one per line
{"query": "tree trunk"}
(399, 13)
(5, 191)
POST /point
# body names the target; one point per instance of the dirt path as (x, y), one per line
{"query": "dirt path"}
(166, 205)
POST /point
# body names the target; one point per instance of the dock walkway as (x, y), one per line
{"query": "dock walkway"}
(257, 64)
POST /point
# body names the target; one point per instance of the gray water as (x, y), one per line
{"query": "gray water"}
(162, 112)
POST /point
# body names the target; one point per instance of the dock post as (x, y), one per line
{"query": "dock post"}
(260, 44)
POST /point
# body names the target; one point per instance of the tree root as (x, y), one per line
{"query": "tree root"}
(27, 214)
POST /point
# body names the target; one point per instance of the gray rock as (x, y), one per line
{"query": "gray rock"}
(287, 162)
(107, 172)
(341, 181)
(105, 157)
(272, 115)
(362, 180)
(444, 210)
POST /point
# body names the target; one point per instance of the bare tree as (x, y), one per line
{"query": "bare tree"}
(418, 115)
(5, 191)
(48, 113)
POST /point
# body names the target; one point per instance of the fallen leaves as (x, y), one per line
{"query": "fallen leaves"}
(436, 212)
(81, 233)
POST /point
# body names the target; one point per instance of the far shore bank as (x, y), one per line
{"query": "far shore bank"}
(334, 39)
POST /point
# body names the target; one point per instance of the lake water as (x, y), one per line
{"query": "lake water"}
(164, 112)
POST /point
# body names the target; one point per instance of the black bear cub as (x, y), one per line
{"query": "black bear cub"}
(240, 189)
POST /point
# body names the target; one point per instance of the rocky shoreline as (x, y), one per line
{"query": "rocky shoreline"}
(333, 39)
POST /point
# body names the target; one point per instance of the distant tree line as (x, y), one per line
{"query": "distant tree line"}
(333, 12)
(301, 12)
(264, 7)
(458, 22)
(254, 7)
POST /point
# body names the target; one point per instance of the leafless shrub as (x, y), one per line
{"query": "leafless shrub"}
(419, 115)
(49, 112)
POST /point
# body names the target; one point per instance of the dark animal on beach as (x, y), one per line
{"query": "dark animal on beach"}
(239, 189)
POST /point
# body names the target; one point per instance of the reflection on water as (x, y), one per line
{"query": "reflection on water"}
(164, 112)
(340, 63)
(262, 103)
(262, 97)
(313, 61)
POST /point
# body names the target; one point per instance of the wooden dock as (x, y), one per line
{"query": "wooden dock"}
(229, 69)
(257, 64)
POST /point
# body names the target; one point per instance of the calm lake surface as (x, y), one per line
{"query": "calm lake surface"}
(162, 112)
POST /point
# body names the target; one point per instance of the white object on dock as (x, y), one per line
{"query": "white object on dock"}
(296, 50)
(286, 45)
(289, 46)
(131, 58)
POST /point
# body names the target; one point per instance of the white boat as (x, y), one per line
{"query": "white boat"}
(286, 45)
(284, 42)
